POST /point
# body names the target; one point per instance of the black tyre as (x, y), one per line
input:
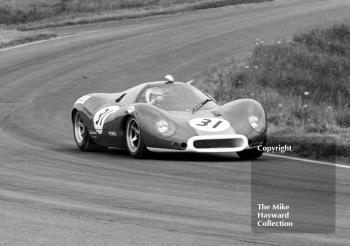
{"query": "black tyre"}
(81, 135)
(134, 142)
(250, 154)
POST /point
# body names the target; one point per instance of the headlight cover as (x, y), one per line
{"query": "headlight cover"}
(164, 128)
(256, 123)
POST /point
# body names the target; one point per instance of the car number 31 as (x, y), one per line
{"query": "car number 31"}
(209, 124)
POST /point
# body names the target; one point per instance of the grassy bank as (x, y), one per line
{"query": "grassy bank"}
(10, 38)
(65, 12)
(28, 38)
(304, 85)
(20, 20)
(313, 146)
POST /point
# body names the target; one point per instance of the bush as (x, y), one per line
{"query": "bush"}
(32, 10)
(304, 83)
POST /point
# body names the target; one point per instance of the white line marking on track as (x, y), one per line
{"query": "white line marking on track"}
(25, 44)
(46, 40)
(309, 161)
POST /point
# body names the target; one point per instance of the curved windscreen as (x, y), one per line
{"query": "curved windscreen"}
(175, 97)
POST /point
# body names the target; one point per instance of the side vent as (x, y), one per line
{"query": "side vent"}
(120, 98)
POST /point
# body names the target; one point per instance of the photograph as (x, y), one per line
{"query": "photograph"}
(174, 122)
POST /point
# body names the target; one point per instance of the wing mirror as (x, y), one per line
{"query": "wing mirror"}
(190, 82)
(208, 95)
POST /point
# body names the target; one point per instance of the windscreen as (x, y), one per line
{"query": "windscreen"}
(175, 97)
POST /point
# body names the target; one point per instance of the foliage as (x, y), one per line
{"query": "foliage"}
(19, 11)
(303, 83)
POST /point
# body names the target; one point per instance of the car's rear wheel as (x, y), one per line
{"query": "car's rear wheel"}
(82, 136)
(134, 141)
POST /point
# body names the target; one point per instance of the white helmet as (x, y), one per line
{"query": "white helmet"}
(153, 93)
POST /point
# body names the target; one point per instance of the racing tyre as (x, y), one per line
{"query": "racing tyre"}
(134, 142)
(250, 154)
(82, 136)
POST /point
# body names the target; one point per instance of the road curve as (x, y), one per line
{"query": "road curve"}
(52, 194)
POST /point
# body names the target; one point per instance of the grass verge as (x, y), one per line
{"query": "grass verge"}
(36, 14)
(29, 16)
(304, 86)
(313, 146)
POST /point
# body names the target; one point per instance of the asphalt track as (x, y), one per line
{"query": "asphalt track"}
(52, 194)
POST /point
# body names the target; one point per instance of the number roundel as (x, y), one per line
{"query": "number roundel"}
(101, 116)
(210, 124)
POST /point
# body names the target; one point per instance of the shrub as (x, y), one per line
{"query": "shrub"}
(17, 11)
(303, 84)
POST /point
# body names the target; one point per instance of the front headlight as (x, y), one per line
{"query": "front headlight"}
(256, 123)
(164, 128)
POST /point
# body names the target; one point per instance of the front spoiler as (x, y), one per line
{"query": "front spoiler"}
(190, 145)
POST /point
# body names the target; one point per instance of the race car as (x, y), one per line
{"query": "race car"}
(171, 116)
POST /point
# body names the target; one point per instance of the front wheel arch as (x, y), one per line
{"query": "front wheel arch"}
(74, 111)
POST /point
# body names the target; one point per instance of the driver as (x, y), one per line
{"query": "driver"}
(154, 95)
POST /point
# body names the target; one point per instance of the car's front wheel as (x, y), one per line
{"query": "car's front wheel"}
(82, 136)
(134, 141)
(250, 154)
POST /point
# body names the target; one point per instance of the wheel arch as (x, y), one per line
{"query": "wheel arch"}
(238, 111)
(74, 112)
(125, 120)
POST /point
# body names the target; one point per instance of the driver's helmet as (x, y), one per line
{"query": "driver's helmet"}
(154, 94)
